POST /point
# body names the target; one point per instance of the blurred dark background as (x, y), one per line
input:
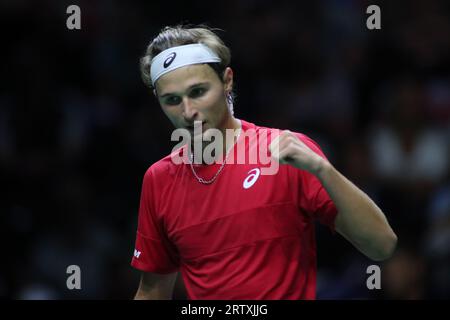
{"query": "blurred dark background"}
(78, 130)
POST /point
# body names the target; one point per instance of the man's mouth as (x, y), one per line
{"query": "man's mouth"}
(191, 127)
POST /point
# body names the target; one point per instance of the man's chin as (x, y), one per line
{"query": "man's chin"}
(209, 134)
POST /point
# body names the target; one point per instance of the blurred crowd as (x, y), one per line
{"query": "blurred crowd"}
(78, 130)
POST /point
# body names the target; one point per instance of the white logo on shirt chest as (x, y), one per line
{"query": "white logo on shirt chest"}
(251, 178)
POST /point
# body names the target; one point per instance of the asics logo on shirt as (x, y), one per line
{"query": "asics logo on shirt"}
(251, 178)
(137, 253)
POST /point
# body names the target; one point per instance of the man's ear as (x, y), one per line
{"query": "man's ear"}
(228, 79)
(155, 93)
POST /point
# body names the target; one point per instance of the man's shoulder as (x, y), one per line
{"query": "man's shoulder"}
(163, 167)
(275, 131)
(271, 133)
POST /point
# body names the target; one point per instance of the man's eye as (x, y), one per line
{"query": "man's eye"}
(197, 92)
(173, 100)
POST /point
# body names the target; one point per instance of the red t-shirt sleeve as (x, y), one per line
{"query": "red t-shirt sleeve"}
(153, 251)
(313, 198)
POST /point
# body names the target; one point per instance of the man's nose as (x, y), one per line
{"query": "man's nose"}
(189, 112)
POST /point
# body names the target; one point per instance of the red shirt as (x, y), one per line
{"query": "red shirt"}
(228, 241)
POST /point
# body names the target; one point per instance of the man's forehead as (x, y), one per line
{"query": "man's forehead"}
(184, 77)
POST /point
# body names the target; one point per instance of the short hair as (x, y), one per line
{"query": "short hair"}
(180, 35)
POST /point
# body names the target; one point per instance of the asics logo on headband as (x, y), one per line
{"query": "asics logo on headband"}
(185, 55)
(169, 59)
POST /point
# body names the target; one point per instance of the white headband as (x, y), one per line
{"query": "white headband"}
(177, 57)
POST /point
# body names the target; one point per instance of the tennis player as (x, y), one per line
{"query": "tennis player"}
(233, 232)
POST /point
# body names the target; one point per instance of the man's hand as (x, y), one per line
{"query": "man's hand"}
(359, 220)
(289, 149)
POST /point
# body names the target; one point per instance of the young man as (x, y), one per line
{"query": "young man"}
(233, 232)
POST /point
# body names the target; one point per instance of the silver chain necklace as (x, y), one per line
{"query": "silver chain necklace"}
(203, 181)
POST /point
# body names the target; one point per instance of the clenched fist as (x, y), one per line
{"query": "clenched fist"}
(289, 149)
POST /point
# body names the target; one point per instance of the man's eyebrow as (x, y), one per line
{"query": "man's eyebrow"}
(190, 87)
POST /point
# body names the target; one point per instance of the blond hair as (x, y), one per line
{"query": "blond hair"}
(180, 35)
